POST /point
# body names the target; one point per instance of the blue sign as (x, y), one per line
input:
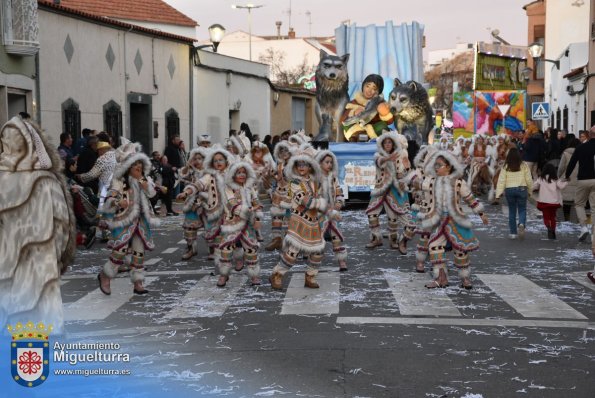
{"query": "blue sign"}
(540, 110)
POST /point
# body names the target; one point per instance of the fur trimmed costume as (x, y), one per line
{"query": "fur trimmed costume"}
(332, 192)
(37, 226)
(388, 195)
(194, 214)
(446, 218)
(280, 202)
(129, 216)
(304, 234)
(242, 212)
(374, 127)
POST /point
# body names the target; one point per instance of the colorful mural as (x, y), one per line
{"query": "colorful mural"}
(489, 119)
(462, 113)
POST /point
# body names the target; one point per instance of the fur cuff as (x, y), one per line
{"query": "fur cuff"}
(254, 271)
(110, 269)
(421, 256)
(307, 249)
(341, 256)
(465, 272)
(137, 275)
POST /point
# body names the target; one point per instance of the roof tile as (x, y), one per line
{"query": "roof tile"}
(135, 10)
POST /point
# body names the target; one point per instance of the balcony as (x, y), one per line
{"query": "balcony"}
(20, 28)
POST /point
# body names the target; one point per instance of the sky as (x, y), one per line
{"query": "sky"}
(446, 22)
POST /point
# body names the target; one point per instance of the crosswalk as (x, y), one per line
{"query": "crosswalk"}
(529, 303)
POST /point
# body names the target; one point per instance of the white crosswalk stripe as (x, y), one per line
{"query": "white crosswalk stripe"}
(527, 298)
(302, 300)
(206, 300)
(415, 303)
(413, 297)
(170, 250)
(97, 306)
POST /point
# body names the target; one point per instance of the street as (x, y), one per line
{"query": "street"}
(525, 329)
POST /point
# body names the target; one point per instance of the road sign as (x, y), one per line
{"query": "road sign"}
(540, 110)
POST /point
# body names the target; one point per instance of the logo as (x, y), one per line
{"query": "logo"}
(30, 353)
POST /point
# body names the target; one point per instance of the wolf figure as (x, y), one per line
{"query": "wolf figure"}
(331, 94)
(412, 111)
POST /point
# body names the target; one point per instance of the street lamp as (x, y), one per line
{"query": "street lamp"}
(248, 7)
(216, 33)
(536, 50)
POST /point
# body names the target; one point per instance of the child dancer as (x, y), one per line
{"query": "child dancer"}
(243, 213)
(446, 218)
(391, 164)
(549, 198)
(280, 201)
(303, 233)
(333, 194)
(130, 217)
(194, 215)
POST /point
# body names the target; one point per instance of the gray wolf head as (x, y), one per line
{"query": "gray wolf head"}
(332, 69)
(407, 95)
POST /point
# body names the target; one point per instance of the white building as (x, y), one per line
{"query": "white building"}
(437, 57)
(229, 91)
(567, 33)
(109, 75)
(295, 51)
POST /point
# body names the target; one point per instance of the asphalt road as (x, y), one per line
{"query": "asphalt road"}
(526, 329)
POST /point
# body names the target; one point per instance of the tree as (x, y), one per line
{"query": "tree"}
(280, 74)
(442, 77)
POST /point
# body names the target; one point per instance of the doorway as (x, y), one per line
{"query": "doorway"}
(140, 121)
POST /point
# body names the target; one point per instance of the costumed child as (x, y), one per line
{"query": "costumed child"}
(280, 203)
(332, 192)
(243, 213)
(194, 214)
(391, 165)
(304, 233)
(549, 198)
(420, 205)
(446, 218)
(129, 216)
(263, 164)
(367, 114)
(211, 188)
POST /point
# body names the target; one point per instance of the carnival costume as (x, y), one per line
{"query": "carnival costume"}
(332, 192)
(129, 216)
(38, 248)
(446, 218)
(479, 171)
(194, 214)
(103, 170)
(420, 205)
(304, 233)
(280, 202)
(211, 188)
(243, 213)
(388, 195)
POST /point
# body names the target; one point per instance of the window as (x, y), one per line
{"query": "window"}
(558, 119)
(20, 28)
(565, 118)
(112, 119)
(172, 124)
(71, 119)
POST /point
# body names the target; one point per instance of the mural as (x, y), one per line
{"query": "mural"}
(462, 113)
(489, 119)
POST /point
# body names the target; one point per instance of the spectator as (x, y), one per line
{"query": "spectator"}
(87, 159)
(275, 141)
(268, 142)
(65, 148)
(583, 136)
(585, 186)
(569, 191)
(173, 152)
(285, 135)
(168, 180)
(246, 129)
(534, 150)
(81, 144)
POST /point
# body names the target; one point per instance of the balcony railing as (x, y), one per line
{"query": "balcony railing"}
(20, 28)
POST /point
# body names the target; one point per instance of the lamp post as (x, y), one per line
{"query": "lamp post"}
(216, 33)
(248, 7)
(536, 51)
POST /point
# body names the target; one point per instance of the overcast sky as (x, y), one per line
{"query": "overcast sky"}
(446, 22)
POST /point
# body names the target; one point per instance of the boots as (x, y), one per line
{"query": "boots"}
(310, 282)
(276, 280)
(374, 242)
(189, 253)
(551, 233)
(394, 240)
(440, 281)
(342, 266)
(275, 244)
(403, 245)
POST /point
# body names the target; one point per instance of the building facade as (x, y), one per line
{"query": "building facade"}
(107, 75)
(19, 30)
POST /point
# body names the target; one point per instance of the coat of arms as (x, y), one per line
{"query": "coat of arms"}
(30, 353)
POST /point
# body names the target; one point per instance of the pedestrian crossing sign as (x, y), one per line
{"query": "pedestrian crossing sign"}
(540, 110)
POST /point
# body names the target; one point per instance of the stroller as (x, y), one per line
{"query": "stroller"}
(85, 204)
